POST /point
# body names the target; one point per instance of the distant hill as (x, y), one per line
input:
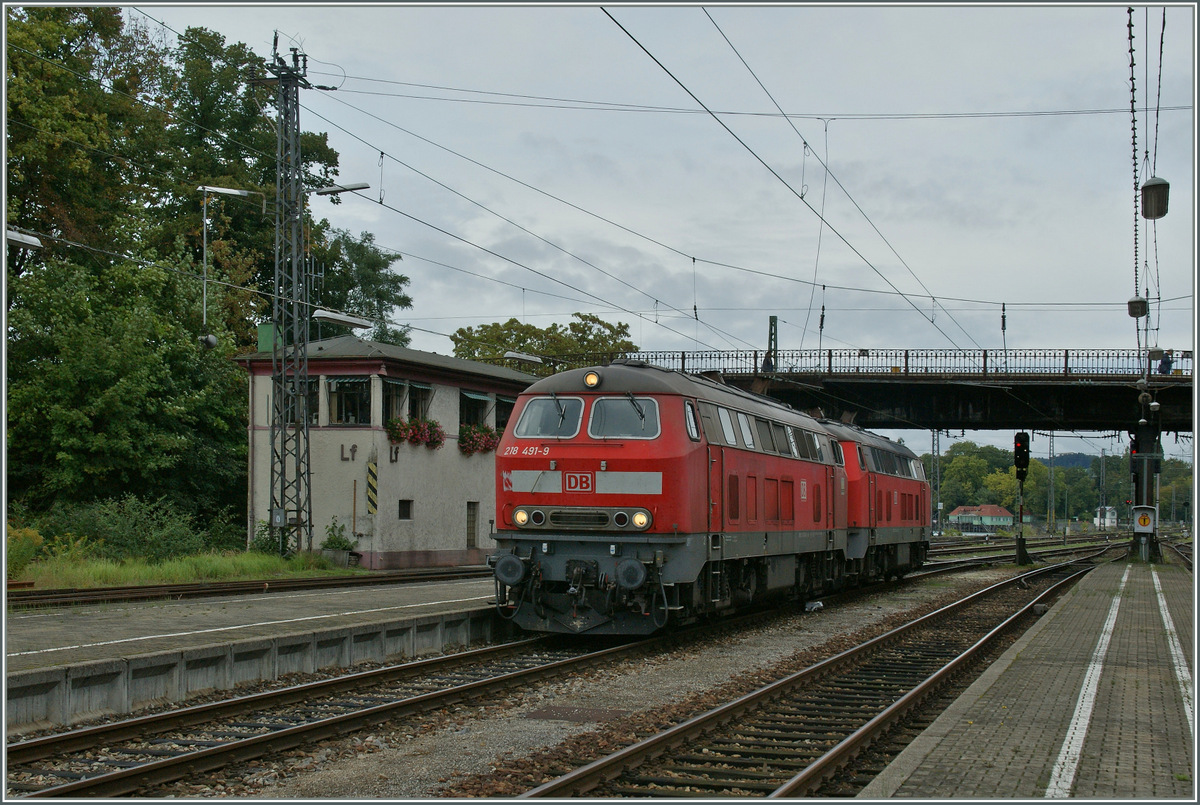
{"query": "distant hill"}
(1071, 460)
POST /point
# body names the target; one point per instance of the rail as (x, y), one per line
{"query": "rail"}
(1125, 364)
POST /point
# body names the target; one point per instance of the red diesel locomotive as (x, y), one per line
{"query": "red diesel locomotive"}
(630, 496)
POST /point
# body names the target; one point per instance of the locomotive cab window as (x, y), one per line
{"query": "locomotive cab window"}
(550, 418)
(624, 418)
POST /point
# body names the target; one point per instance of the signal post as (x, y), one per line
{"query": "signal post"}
(1021, 462)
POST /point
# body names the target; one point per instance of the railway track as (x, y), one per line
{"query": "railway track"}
(148, 592)
(788, 737)
(127, 756)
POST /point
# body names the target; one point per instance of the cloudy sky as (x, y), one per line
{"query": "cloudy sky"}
(632, 162)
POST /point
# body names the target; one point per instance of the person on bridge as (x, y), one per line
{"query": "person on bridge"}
(1164, 366)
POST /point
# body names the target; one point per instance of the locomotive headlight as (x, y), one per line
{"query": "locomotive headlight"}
(591, 379)
(641, 519)
(520, 517)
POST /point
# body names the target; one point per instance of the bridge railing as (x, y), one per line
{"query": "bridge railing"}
(1075, 363)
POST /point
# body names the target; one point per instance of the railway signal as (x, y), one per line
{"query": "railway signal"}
(1021, 462)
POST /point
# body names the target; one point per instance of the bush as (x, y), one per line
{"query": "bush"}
(264, 541)
(335, 538)
(125, 528)
(22, 545)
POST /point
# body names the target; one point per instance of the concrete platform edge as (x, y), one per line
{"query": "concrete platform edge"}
(60, 696)
(903, 765)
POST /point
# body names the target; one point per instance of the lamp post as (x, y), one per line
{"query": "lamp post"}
(209, 340)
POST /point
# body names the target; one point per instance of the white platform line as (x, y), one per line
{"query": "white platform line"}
(248, 625)
(1063, 773)
(1182, 674)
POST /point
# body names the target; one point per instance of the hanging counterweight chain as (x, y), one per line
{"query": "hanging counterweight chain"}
(291, 501)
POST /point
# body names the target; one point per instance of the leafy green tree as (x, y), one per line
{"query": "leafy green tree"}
(577, 344)
(110, 393)
(359, 280)
(76, 132)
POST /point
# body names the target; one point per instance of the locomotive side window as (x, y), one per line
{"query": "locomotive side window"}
(838, 458)
(747, 431)
(624, 418)
(803, 448)
(781, 442)
(727, 426)
(791, 441)
(814, 446)
(690, 420)
(550, 418)
(764, 435)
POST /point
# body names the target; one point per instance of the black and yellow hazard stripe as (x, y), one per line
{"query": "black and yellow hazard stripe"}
(372, 487)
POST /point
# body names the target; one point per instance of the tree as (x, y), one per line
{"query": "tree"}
(109, 392)
(577, 344)
(359, 280)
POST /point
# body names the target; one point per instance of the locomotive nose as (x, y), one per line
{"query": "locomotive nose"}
(509, 570)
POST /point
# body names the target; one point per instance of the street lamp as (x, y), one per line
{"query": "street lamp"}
(341, 188)
(344, 319)
(21, 241)
(208, 340)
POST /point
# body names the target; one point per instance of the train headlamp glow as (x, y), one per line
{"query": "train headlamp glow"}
(520, 517)
(591, 379)
(641, 519)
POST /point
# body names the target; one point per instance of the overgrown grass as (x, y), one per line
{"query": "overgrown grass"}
(61, 572)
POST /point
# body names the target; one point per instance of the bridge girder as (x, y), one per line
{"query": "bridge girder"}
(931, 403)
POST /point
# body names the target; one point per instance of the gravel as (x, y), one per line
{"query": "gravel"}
(499, 749)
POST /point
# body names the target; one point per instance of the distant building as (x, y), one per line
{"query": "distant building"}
(1106, 517)
(982, 518)
(432, 506)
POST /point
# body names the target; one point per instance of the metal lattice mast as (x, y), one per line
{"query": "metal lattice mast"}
(291, 501)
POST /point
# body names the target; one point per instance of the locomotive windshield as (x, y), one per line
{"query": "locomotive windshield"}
(550, 418)
(625, 417)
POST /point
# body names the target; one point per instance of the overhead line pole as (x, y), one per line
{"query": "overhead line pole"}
(291, 499)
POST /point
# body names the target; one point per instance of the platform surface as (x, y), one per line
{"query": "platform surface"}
(1095, 701)
(71, 635)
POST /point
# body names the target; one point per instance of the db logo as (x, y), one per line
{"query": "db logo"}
(579, 481)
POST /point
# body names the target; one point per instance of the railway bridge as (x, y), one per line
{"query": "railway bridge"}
(929, 389)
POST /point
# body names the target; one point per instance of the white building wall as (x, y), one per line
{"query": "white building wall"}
(439, 483)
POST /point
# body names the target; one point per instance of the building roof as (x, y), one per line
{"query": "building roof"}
(987, 510)
(350, 348)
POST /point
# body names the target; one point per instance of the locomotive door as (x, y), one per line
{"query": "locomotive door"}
(716, 483)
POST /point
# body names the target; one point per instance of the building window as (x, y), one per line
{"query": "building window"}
(405, 510)
(472, 524)
(394, 392)
(504, 409)
(473, 407)
(350, 401)
(420, 395)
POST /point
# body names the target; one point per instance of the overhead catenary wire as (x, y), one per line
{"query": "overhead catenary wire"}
(775, 173)
(828, 174)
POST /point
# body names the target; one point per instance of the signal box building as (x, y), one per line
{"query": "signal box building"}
(406, 503)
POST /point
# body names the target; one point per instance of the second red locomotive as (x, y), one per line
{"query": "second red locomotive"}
(630, 496)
